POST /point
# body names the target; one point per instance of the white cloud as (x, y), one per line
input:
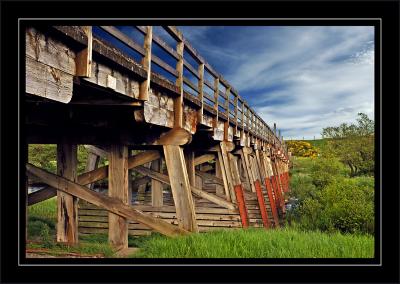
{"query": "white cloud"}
(325, 74)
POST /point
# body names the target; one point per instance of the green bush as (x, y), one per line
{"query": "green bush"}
(345, 205)
(324, 171)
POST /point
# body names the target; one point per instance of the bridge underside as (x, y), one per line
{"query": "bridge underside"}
(175, 164)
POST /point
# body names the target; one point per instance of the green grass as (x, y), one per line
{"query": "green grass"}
(89, 247)
(259, 243)
(42, 218)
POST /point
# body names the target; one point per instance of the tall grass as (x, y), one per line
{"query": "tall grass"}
(259, 243)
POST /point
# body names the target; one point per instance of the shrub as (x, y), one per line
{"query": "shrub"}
(302, 149)
(346, 205)
(324, 171)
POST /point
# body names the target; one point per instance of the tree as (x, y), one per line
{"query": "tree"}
(353, 144)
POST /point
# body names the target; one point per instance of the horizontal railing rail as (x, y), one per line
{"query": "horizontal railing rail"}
(198, 77)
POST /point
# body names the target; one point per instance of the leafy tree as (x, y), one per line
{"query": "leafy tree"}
(353, 144)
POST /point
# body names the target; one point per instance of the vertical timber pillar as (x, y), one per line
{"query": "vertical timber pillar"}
(67, 205)
(156, 186)
(189, 158)
(219, 190)
(118, 188)
(180, 187)
(92, 163)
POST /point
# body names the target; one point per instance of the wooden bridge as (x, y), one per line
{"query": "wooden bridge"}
(185, 152)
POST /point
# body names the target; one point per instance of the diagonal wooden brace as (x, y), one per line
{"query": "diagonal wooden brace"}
(109, 203)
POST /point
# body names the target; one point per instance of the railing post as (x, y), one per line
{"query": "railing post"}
(236, 113)
(216, 101)
(178, 102)
(146, 62)
(226, 124)
(201, 87)
(83, 59)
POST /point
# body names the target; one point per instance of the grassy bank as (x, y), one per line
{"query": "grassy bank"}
(258, 243)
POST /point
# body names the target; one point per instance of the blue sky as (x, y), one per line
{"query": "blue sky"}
(302, 78)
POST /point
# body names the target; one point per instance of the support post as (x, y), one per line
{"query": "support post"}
(261, 203)
(272, 202)
(242, 205)
(247, 168)
(189, 158)
(67, 205)
(219, 190)
(180, 187)
(156, 186)
(92, 163)
(228, 172)
(118, 188)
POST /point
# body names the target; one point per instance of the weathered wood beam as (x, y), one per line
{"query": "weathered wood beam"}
(205, 168)
(224, 176)
(229, 146)
(109, 203)
(140, 181)
(228, 171)
(83, 59)
(118, 189)
(146, 62)
(219, 189)
(211, 178)
(190, 166)
(95, 175)
(156, 186)
(201, 193)
(247, 168)
(203, 159)
(48, 82)
(97, 151)
(178, 101)
(200, 71)
(176, 136)
(92, 163)
(180, 187)
(67, 204)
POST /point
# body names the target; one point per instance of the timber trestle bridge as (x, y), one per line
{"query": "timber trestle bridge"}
(185, 152)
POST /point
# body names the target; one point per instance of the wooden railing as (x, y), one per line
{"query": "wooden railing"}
(202, 81)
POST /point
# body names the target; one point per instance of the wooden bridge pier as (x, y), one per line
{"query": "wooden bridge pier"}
(209, 160)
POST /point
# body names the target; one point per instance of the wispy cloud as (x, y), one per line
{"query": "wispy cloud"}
(302, 78)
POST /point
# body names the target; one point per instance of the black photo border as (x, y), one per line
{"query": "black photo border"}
(383, 15)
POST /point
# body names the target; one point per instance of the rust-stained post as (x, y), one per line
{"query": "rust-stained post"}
(242, 205)
(146, 62)
(272, 201)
